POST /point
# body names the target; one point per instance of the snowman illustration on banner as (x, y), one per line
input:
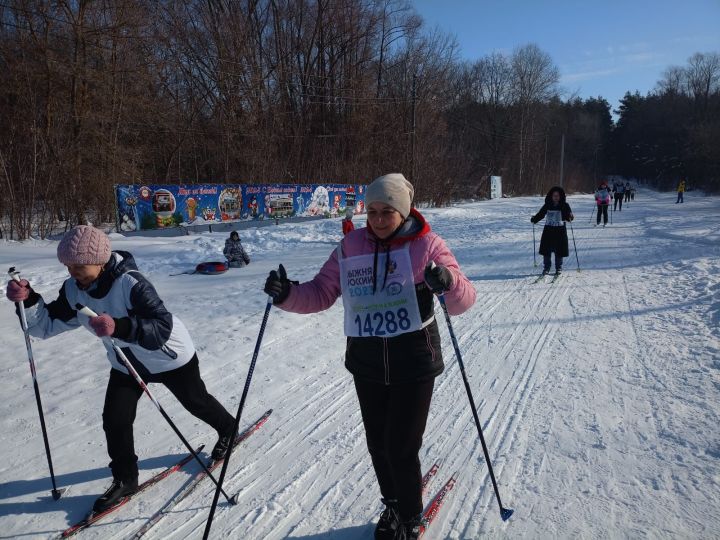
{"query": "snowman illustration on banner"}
(129, 220)
(319, 202)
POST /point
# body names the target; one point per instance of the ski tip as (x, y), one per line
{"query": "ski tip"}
(505, 513)
(57, 493)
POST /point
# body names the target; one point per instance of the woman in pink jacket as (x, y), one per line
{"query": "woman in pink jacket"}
(384, 276)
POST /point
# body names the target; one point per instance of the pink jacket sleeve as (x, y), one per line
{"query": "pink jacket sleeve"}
(461, 295)
(317, 294)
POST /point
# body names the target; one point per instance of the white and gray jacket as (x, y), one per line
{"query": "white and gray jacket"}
(152, 338)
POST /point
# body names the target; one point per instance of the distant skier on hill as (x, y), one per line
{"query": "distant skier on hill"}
(554, 239)
(155, 341)
(603, 196)
(234, 251)
(384, 276)
(680, 192)
(628, 191)
(619, 190)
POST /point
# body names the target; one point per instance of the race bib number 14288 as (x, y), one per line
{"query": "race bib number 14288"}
(379, 324)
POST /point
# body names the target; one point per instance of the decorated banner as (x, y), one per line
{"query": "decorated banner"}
(145, 207)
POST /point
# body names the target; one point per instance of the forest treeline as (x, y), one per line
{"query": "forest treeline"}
(102, 92)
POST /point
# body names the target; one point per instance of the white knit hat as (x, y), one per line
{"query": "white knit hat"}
(392, 189)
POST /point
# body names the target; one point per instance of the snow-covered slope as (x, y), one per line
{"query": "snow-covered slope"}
(599, 394)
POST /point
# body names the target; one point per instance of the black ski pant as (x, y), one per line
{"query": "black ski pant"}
(547, 262)
(121, 398)
(618, 199)
(602, 210)
(394, 418)
(627, 196)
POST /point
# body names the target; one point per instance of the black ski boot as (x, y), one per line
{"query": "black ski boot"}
(410, 530)
(117, 490)
(389, 521)
(221, 446)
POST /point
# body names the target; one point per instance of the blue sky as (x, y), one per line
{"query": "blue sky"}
(602, 47)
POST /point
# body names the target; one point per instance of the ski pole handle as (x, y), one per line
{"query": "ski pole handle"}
(90, 313)
(14, 274)
(86, 311)
(433, 266)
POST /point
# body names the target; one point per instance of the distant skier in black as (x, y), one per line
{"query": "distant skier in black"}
(628, 191)
(619, 190)
(556, 212)
(234, 252)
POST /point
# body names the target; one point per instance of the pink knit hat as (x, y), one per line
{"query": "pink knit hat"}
(84, 245)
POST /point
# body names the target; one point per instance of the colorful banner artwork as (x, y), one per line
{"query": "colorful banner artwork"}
(144, 207)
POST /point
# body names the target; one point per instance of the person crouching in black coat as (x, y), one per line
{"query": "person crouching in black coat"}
(234, 252)
(556, 212)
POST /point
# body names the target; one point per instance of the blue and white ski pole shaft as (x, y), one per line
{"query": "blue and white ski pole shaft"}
(505, 513)
(56, 493)
(577, 259)
(124, 359)
(246, 389)
(534, 251)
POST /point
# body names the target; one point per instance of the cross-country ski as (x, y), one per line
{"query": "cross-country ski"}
(197, 478)
(433, 508)
(93, 517)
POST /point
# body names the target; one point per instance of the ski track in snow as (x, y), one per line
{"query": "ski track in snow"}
(598, 394)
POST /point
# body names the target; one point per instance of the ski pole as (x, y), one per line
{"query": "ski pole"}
(56, 493)
(534, 254)
(124, 359)
(591, 213)
(611, 215)
(251, 369)
(505, 513)
(575, 246)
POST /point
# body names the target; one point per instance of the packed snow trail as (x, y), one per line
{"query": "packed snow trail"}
(599, 394)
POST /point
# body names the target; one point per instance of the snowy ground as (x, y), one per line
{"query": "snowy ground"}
(600, 394)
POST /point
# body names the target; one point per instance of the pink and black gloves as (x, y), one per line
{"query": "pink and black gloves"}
(18, 291)
(438, 278)
(104, 325)
(277, 285)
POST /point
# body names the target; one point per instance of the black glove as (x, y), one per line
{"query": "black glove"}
(277, 285)
(438, 278)
(534, 220)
